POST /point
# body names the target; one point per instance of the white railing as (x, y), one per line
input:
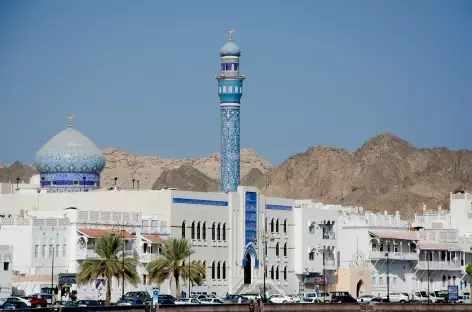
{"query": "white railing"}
(438, 265)
(409, 256)
(149, 257)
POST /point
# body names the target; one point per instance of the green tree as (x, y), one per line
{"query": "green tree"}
(468, 270)
(109, 264)
(171, 265)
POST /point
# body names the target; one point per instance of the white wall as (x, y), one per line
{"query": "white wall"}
(6, 264)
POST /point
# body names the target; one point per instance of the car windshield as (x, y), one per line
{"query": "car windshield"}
(183, 299)
(423, 293)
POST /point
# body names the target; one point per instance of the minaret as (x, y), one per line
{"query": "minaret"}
(230, 89)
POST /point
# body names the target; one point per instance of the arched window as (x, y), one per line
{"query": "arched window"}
(204, 230)
(145, 248)
(198, 230)
(285, 273)
(265, 248)
(277, 273)
(224, 270)
(285, 226)
(213, 268)
(285, 250)
(205, 266)
(277, 249)
(265, 228)
(272, 225)
(224, 231)
(218, 271)
(444, 280)
(183, 263)
(192, 230)
(277, 226)
(213, 231)
(272, 272)
(183, 229)
(218, 232)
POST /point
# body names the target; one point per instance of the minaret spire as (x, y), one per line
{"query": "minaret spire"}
(70, 120)
(230, 34)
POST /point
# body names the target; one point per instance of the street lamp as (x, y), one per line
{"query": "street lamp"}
(189, 275)
(133, 182)
(17, 181)
(264, 236)
(388, 279)
(324, 277)
(138, 184)
(115, 180)
(427, 261)
(85, 178)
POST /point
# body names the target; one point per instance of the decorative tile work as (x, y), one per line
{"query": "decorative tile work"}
(278, 207)
(230, 149)
(70, 151)
(250, 222)
(65, 182)
(206, 202)
(230, 49)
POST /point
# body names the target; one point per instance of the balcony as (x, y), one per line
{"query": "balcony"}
(439, 265)
(330, 235)
(381, 255)
(330, 265)
(148, 257)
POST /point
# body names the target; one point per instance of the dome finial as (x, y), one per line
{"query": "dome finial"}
(230, 34)
(70, 120)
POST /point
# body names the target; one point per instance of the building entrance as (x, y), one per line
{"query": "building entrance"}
(247, 270)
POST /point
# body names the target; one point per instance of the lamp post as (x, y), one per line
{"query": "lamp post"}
(133, 182)
(84, 178)
(138, 184)
(17, 181)
(264, 236)
(123, 265)
(52, 275)
(324, 277)
(188, 275)
(427, 261)
(388, 279)
(115, 180)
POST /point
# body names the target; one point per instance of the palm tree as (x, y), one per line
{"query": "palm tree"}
(109, 264)
(468, 270)
(171, 265)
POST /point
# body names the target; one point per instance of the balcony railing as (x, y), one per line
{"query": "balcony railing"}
(330, 235)
(330, 265)
(409, 256)
(438, 265)
(149, 257)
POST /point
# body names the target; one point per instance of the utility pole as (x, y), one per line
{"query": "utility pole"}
(324, 277)
(427, 260)
(123, 265)
(52, 276)
(388, 279)
(188, 275)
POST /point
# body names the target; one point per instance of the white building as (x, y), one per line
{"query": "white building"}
(6, 259)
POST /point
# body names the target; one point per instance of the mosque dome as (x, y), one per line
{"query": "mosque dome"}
(230, 49)
(35, 179)
(70, 152)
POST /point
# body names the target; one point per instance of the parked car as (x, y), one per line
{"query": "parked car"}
(199, 297)
(420, 296)
(310, 295)
(250, 296)
(36, 302)
(166, 297)
(339, 293)
(296, 298)
(65, 303)
(379, 300)
(438, 296)
(87, 303)
(187, 301)
(143, 295)
(399, 297)
(280, 298)
(14, 300)
(48, 297)
(234, 299)
(324, 297)
(160, 301)
(365, 298)
(310, 300)
(18, 305)
(344, 299)
(129, 302)
(211, 301)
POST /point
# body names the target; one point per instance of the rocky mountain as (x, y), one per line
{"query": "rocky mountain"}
(386, 173)
(17, 170)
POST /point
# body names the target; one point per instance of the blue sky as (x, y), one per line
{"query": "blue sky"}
(140, 75)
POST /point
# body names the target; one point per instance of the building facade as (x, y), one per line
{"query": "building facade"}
(6, 264)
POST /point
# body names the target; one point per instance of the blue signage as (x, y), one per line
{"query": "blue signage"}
(155, 296)
(453, 292)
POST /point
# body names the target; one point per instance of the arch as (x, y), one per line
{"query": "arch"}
(285, 273)
(277, 273)
(213, 231)
(145, 247)
(204, 264)
(277, 225)
(277, 249)
(224, 270)
(213, 269)
(218, 270)
(198, 230)
(359, 288)
(250, 248)
(272, 225)
(374, 244)
(192, 230)
(183, 229)
(285, 226)
(247, 269)
(265, 248)
(265, 224)
(272, 272)
(224, 231)
(218, 231)
(204, 231)
(285, 250)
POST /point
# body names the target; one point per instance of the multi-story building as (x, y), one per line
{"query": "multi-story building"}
(6, 259)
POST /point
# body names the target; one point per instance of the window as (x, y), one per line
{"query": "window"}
(388, 246)
(444, 280)
(381, 245)
(311, 256)
(198, 230)
(374, 280)
(277, 249)
(218, 271)
(277, 273)
(213, 231)
(265, 228)
(272, 225)
(224, 270)
(285, 226)
(235, 89)
(183, 229)
(219, 89)
(218, 232)
(204, 230)
(285, 250)
(265, 248)
(277, 226)
(224, 89)
(64, 250)
(192, 230)
(236, 66)
(224, 231)
(144, 279)
(374, 247)
(272, 272)
(76, 182)
(394, 280)
(213, 271)
(381, 280)
(395, 247)
(6, 266)
(43, 251)
(230, 89)
(205, 266)
(285, 273)
(57, 250)
(36, 251)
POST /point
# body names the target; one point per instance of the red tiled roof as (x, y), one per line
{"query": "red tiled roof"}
(439, 246)
(153, 238)
(95, 233)
(395, 235)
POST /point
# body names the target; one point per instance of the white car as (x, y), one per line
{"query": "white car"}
(211, 301)
(279, 298)
(310, 300)
(399, 297)
(187, 301)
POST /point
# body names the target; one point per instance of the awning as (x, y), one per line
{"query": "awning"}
(153, 238)
(395, 235)
(439, 246)
(96, 233)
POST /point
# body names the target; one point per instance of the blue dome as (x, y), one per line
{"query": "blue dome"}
(70, 152)
(230, 49)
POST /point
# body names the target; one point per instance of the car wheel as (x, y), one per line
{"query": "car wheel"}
(326, 301)
(285, 301)
(38, 306)
(402, 301)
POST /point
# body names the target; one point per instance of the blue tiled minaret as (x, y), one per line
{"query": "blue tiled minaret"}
(230, 89)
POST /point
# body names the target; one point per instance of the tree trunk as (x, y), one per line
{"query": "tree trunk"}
(177, 287)
(108, 295)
